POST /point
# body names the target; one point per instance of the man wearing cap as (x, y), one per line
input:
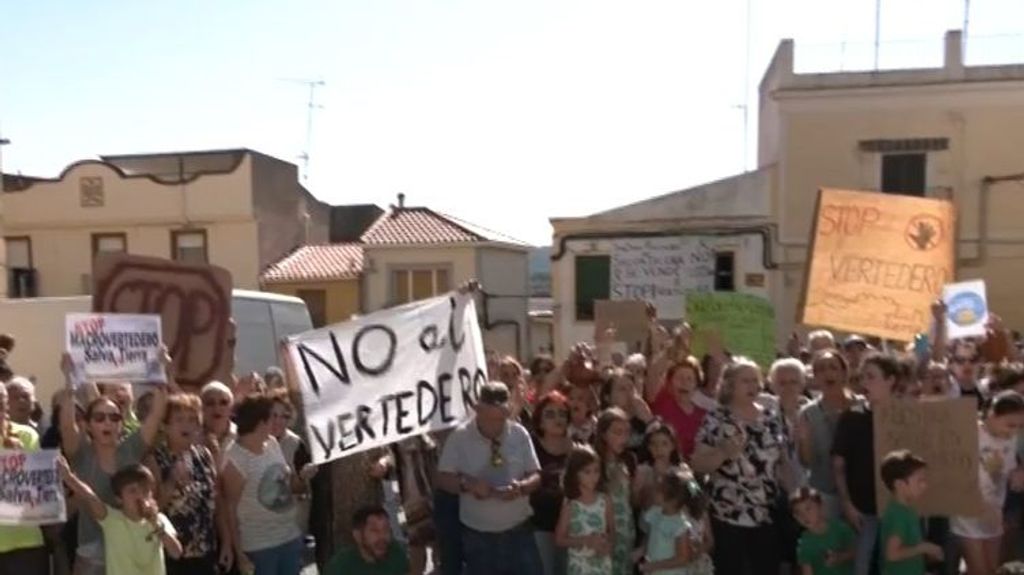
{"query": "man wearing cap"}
(491, 464)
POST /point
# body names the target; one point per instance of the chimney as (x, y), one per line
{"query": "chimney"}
(401, 200)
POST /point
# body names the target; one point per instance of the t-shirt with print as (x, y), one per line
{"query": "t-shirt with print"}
(131, 546)
(86, 466)
(998, 458)
(900, 520)
(813, 549)
(467, 452)
(13, 538)
(744, 489)
(349, 561)
(266, 510)
(855, 443)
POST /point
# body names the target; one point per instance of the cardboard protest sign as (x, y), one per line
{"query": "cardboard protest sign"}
(30, 488)
(877, 262)
(966, 309)
(194, 304)
(114, 347)
(745, 322)
(389, 375)
(945, 434)
(628, 317)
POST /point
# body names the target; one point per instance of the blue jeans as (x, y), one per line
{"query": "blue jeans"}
(449, 530)
(285, 559)
(512, 552)
(867, 542)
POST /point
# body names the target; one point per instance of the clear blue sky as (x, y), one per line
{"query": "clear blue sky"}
(502, 113)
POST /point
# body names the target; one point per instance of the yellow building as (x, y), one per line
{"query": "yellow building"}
(238, 209)
(407, 254)
(953, 132)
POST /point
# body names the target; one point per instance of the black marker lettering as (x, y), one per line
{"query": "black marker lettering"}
(328, 445)
(388, 360)
(345, 432)
(456, 343)
(444, 392)
(402, 413)
(424, 390)
(340, 372)
(363, 423)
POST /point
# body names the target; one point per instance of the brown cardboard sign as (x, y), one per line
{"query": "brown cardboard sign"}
(877, 262)
(194, 302)
(945, 434)
(629, 317)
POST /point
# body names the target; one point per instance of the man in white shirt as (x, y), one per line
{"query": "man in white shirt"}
(491, 464)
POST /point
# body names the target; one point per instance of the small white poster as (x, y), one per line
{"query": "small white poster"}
(966, 309)
(115, 347)
(30, 488)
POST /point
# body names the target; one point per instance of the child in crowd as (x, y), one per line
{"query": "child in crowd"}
(904, 549)
(582, 405)
(660, 451)
(980, 536)
(611, 443)
(136, 534)
(586, 525)
(678, 535)
(827, 546)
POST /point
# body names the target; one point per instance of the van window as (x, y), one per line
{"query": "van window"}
(256, 349)
(290, 318)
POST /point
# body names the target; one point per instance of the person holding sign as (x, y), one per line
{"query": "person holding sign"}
(980, 537)
(21, 547)
(98, 451)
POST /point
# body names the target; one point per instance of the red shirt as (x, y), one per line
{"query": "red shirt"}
(686, 424)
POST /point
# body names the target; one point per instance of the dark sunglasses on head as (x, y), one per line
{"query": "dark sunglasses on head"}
(112, 417)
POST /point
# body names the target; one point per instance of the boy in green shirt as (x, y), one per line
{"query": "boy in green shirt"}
(136, 534)
(904, 547)
(826, 547)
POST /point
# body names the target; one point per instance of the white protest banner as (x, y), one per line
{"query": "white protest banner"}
(966, 309)
(661, 270)
(113, 346)
(30, 488)
(389, 375)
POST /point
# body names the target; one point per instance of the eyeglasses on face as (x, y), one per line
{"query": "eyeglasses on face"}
(101, 417)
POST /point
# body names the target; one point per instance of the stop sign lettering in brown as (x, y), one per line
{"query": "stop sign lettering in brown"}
(194, 302)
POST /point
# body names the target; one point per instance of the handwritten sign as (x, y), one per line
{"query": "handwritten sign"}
(193, 301)
(877, 262)
(389, 375)
(30, 488)
(109, 347)
(746, 324)
(662, 271)
(945, 434)
(628, 317)
(966, 309)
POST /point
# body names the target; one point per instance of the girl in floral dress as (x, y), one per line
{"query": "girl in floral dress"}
(678, 536)
(586, 525)
(612, 442)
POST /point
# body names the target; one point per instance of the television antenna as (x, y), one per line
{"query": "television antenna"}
(311, 107)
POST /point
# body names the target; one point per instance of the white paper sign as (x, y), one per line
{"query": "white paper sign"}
(389, 375)
(30, 488)
(114, 347)
(966, 309)
(662, 270)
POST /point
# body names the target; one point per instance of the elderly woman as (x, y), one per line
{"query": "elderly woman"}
(786, 382)
(98, 453)
(740, 446)
(218, 429)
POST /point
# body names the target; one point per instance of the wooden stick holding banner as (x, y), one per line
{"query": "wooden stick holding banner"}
(389, 375)
(30, 488)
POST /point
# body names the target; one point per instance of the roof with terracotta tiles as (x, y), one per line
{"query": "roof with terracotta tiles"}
(417, 225)
(318, 262)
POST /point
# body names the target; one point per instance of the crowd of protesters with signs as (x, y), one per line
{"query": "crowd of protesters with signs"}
(605, 463)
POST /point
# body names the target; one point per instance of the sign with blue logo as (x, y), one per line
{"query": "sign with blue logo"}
(967, 308)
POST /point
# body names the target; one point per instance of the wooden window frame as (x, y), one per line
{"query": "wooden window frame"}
(586, 312)
(31, 261)
(200, 231)
(409, 269)
(97, 237)
(732, 272)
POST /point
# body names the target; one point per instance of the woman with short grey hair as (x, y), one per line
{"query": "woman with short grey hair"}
(740, 446)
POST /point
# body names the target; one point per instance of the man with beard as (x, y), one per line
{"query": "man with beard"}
(374, 552)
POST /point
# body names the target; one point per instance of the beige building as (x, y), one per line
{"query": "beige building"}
(953, 132)
(238, 209)
(407, 254)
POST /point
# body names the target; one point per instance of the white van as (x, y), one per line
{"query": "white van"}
(37, 324)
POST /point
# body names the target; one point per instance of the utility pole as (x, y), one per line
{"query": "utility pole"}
(878, 29)
(311, 106)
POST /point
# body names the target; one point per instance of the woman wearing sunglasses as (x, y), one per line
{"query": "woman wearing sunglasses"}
(552, 443)
(99, 452)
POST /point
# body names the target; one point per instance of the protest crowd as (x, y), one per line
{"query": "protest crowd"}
(607, 463)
